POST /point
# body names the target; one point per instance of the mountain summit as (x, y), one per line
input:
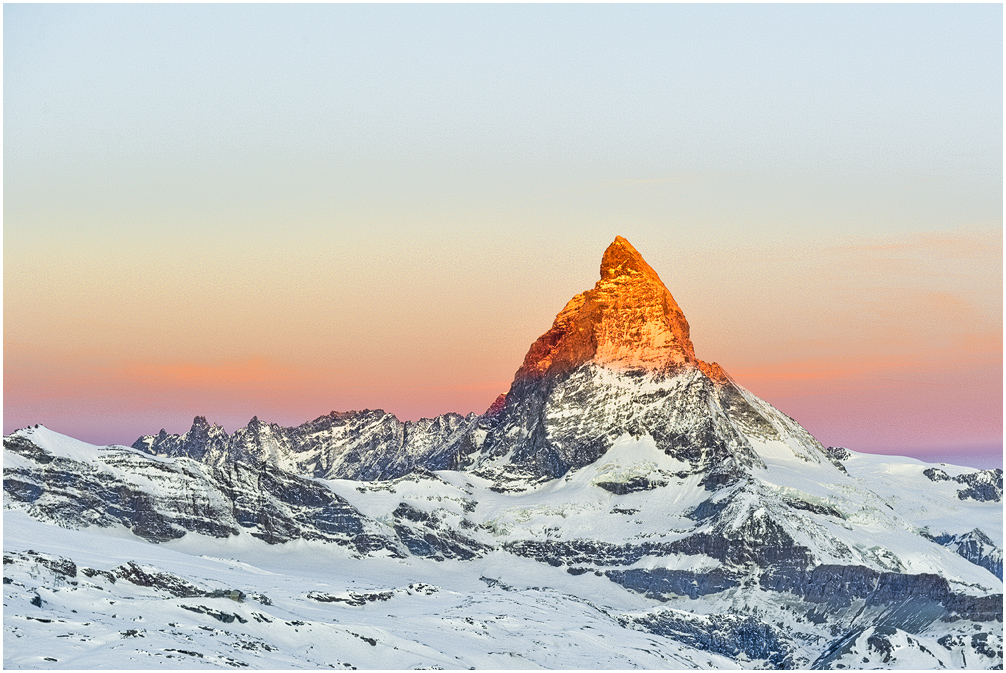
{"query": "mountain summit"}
(618, 360)
(627, 321)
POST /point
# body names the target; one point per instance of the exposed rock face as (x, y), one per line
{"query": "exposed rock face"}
(725, 634)
(976, 547)
(435, 535)
(622, 351)
(838, 453)
(63, 567)
(366, 445)
(981, 485)
(496, 407)
(161, 500)
(628, 321)
(542, 434)
(660, 583)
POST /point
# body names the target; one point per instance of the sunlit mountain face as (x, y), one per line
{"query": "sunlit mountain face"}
(623, 504)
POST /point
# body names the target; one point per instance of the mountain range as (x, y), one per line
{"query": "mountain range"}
(624, 504)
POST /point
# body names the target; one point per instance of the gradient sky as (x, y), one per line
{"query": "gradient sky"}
(283, 210)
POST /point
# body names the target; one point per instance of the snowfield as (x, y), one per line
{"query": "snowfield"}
(305, 606)
(548, 584)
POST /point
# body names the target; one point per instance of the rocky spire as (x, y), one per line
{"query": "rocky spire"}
(627, 321)
(200, 426)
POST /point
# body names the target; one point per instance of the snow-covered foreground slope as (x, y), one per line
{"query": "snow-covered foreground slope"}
(626, 562)
(75, 599)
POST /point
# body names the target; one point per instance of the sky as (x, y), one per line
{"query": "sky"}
(284, 210)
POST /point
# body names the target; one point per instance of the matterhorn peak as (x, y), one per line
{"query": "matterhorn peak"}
(621, 258)
(627, 321)
(618, 361)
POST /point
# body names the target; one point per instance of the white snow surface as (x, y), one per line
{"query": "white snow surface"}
(435, 615)
(500, 610)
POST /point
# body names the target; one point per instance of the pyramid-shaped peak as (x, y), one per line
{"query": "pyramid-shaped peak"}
(627, 321)
(621, 258)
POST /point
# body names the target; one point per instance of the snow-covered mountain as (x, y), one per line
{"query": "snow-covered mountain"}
(365, 445)
(624, 504)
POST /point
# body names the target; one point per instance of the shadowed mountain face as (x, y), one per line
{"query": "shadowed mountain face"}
(619, 471)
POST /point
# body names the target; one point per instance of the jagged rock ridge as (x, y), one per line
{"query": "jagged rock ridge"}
(366, 445)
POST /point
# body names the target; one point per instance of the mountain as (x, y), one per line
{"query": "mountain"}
(618, 360)
(623, 504)
(362, 445)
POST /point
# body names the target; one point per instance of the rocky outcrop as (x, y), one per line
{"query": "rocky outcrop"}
(437, 535)
(975, 546)
(838, 453)
(366, 445)
(161, 500)
(57, 565)
(578, 552)
(660, 583)
(724, 634)
(980, 485)
(169, 583)
(839, 586)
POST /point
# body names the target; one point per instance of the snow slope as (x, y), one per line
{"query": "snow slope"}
(593, 570)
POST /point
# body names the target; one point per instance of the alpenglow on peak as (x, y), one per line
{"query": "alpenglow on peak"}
(628, 321)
